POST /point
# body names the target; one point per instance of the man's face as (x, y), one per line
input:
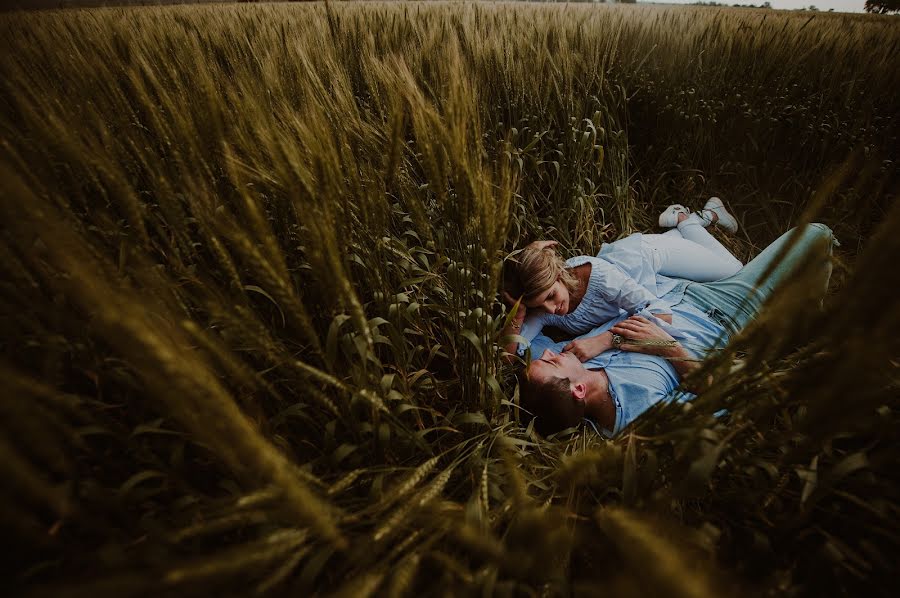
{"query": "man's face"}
(555, 365)
(554, 300)
(560, 365)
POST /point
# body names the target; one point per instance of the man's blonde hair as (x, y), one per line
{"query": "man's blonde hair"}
(535, 271)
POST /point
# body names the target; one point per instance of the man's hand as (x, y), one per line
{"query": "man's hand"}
(542, 245)
(587, 348)
(639, 328)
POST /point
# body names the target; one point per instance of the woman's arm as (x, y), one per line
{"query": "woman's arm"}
(510, 330)
(624, 292)
(590, 347)
(514, 326)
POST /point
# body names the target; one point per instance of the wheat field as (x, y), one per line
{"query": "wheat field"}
(251, 332)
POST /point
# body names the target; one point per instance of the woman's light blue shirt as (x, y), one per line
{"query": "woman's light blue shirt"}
(623, 281)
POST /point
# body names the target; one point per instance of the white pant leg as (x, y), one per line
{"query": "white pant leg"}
(673, 232)
(692, 229)
(677, 257)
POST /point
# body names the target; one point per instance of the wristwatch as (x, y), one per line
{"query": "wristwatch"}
(617, 340)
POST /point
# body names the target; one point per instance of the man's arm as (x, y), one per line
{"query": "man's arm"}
(588, 347)
(653, 340)
(683, 362)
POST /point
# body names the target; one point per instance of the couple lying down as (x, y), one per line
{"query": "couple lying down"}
(642, 314)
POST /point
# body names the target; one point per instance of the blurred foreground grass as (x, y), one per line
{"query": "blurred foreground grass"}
(250, 332)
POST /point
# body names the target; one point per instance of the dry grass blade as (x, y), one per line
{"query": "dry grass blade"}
(660, 562)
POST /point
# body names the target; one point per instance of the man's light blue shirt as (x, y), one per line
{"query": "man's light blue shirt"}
(638, 381)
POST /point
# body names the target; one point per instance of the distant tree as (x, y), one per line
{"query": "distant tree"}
(882, 6)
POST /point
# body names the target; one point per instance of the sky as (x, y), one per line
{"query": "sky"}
(837, 5)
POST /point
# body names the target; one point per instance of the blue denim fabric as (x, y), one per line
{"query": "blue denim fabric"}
(735, 301)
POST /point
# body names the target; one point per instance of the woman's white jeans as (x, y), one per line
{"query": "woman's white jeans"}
(688, 251)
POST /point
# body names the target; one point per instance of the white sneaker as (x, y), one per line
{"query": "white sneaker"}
(717, 207)
(669, 216)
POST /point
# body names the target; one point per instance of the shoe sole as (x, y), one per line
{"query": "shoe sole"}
(713, 204)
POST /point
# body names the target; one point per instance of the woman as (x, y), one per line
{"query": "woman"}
(626, 276)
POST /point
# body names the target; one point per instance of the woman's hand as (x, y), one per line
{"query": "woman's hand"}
(508, 299)
(514, 327)
(511, 302)
(639, 328)
(542, 245)
(516, 323)
(588, 348)
(519, 317)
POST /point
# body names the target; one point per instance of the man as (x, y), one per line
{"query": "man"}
(617, 371)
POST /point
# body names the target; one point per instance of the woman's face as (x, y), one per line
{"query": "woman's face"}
(554, 300)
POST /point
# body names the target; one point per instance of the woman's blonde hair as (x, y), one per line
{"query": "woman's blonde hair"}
(533, 271)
